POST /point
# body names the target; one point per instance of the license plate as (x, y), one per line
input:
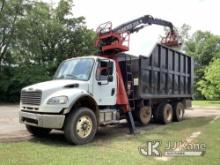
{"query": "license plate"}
(29, 115)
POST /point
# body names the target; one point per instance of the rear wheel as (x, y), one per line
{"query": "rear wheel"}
(80, 126)
(37, 131)
(144, 115)
(163, 113)
(178, 111)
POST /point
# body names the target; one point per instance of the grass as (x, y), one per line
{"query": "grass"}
(211, 137)
(114, 148)
(206, 103)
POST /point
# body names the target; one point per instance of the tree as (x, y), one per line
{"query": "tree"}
(204, 47)
(10, 10)
(34, 38)
(51, 35)
(183, 33)
(210, 84)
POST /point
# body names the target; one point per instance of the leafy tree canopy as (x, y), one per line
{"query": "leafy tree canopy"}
(204, 47)
(210, 84)
(34, 38)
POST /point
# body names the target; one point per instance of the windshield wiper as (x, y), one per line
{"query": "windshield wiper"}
(71, 76)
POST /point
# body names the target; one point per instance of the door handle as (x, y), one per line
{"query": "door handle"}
(113, 92)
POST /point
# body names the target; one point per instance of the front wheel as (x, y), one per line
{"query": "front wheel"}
(80, 126)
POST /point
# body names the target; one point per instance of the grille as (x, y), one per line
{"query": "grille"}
(31, 97)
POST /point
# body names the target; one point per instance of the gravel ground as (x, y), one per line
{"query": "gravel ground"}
(12, 131)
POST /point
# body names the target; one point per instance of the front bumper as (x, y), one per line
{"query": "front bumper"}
(42, 120)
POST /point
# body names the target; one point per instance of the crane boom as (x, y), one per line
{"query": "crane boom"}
(139, 23)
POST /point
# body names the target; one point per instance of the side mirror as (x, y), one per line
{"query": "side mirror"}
(110, 78)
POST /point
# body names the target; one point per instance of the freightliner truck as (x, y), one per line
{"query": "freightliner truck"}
(92, 91)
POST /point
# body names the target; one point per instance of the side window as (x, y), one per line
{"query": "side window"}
(104, 69)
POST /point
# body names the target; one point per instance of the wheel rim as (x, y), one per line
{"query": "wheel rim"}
(168, 115)
(145, 114)
(84, 126)
(180, 113)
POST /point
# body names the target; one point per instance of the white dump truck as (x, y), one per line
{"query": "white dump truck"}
(92, 91)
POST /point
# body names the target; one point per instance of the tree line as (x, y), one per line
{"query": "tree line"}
(36, 36)
(204, 47)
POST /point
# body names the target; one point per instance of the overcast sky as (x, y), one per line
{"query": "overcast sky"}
(199, 14)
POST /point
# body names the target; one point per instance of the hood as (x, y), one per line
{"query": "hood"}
(55, 85)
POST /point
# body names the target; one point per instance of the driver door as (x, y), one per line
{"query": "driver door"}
(104, 87)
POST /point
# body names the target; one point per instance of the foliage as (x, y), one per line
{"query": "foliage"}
(56, 36)
(34, 38)
(204, 47)
(183, 33)
(10, 10)
(210, 85)
(12, 79)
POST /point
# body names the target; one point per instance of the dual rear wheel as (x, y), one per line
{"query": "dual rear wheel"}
(165, 113)
(178, 113)
(144, 115)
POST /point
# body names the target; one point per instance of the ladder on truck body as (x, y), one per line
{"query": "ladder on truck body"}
(129, 82)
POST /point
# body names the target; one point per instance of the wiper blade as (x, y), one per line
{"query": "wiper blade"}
(71, 76)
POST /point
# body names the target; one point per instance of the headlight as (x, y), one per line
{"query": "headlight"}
(58, 100)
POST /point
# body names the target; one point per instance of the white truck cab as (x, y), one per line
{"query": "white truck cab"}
(84, 83)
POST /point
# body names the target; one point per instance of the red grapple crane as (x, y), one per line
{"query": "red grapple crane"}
(116, 40)
(111, 41)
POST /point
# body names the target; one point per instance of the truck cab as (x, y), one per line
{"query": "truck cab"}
(72, 100)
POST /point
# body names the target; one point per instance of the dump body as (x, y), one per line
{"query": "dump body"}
(166, 73)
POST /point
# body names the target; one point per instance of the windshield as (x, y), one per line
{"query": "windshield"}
(78, 69)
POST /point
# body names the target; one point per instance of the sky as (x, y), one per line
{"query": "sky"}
(199, 14)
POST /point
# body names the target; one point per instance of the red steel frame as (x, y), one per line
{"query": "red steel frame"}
(122, 97)
(119, 43)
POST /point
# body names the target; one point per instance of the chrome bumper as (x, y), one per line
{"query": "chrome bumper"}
(42, 120)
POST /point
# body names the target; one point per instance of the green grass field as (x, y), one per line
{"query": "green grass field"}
(115, 149)
(205, 103)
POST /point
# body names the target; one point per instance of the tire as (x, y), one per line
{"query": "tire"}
(80, 126)
(178, 112)
(37, 131)
(144, 115)
(156, 112)
(164, 113)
